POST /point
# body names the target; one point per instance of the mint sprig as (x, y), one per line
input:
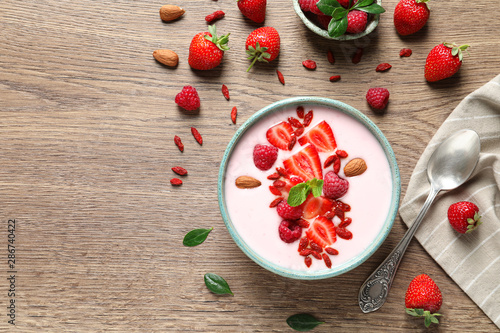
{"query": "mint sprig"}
(298, 194)
(338, 23)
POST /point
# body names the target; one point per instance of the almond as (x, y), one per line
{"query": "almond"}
(247, 182)
(355, 167)
(166, 57)
(171, 12)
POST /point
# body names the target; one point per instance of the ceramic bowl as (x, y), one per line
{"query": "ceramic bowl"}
(394, 200)
(372, 24)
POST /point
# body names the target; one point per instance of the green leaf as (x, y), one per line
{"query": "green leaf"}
(217, 284)
(337, 28)
(303, 322)
(316, 187)
(427, 321)
(434, 320)
(419, 312)
(328, 6)
(454, 51)
(362, 3)
(373, 9)
(339, 13)
(298, 194)
(196, 237)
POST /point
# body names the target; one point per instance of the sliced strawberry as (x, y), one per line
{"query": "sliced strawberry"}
(305, 164)
(321, 136)
(322, 232)
(281, 135)
(316, 206)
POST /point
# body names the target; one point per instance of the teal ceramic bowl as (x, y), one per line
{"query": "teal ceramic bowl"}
(394, 201)
(309, 23)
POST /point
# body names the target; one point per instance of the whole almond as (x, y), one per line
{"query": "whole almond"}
(171, 12)
(247, 182)
(355, 167)
(166, 57)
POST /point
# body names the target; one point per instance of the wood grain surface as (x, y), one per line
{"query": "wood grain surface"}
(86, 150)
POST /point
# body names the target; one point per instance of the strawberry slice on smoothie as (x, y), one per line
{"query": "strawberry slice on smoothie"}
(281, 136)
(322, 232)
(306, 164)
(320, 136)
(316, 206)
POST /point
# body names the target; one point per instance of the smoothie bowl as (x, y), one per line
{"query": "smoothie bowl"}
(309, 188)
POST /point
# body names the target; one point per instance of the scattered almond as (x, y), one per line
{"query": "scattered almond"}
(166, 57)
(247, 182)
(355, 167)
(171, 12)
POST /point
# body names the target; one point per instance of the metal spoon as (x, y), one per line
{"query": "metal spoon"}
(450, 166)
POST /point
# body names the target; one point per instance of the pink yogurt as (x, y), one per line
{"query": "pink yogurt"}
(369, 194)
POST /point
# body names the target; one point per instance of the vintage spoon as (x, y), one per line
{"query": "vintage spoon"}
(450, 166)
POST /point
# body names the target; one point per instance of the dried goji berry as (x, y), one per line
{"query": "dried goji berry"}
(197, 135)
(356, 58)
(336, 166)
(341, 153)
(345, 222)
(309, 64)
(308, 261)
(234, 113)
(218, 14)
(279, 184)
(280, 77)
(339, 212)
(175, 181)
(330, 57)
(342, 205)
(225, 92)
(383, 67)
(300, 111)
(179, 170)
(343, 233)
(304, 241)
(308, 118)
(274, 190)
(315, 247)
(274, 176)
(334, 78)
(295, 122)
(305, 252)
(282, 172)
(293, 140)
(299, 131)
(329, 160)
(302, 223)
(316, 255)
(327, 260)
(405, 52)
(330, 215)
(331, 251)
(275, 202)
(178, 142)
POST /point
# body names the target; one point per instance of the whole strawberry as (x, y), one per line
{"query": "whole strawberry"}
(255, 10)
(410, 16)
(443, 61)
(263, 44)
(423, 299)
(464, 216)
(206, 49)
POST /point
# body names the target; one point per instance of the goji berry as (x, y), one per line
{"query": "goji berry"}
(342, 205)
(341, 153)
(315, 247)
(295, 122)
(274, 176)
(356, 58)
(345, 222)
(331, 251)
(305, 252)
(293, 140)
(280, 77)
(334, 78)
(336, 166)
(302, 223)
(175, 181)
(274, 190)
(308, 118)
(282, 172)
(405, 52)
(300, 111)
(309, 64)
(299, 131)
(275, 202)
(308, 261)
(234, 113)
(179, 170)
(343, 233)
(327, 260)
(329, 160)
(316, 255)
(225, 92)
(197, 135)
(330, 57)
(179, 143)
(383, 67)
(218, 14)
(304, 241)
(279, 184)
(330, 215)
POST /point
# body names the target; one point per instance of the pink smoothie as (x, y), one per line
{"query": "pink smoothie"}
(369, 194)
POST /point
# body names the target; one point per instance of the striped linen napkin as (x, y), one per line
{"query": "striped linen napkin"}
(472, 260)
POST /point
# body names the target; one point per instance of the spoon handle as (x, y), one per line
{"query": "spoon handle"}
(375, 289)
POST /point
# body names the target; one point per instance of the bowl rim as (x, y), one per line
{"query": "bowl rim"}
(324, 33)
(393, 209)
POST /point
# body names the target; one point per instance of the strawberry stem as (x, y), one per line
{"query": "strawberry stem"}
(257, 53)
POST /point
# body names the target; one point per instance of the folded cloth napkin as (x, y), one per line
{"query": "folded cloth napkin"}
(472, 260)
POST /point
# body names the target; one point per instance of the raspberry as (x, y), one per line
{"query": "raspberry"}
(345, 3)
(309, 6)
(288, 212)
(324, 20)
(377, 98)
(356, 21)
(264, 156)
(188, 98)
(334, 187)
(289, 231)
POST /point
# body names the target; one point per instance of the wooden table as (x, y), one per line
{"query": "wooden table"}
(87, 125)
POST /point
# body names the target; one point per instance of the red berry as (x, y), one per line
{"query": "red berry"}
(255, 10)
(206, 49)
(330, 57)
(288, 212)
(405, 52)
(443, 61)
(281, 78)
(383, 67)
(178, 143)
(345, 3)
(264, 156)
(289, 231)
(179, 170)
(410, 16)
(423, 293)
(188, 98)
(225, 92)
(197, 136)
(262, 44)
(464, 216)
(175, 181)
(281, 135)
(334, 78)
(310, 6)
(377, 98)
(309, 64)
(343, 233)
(218, 14)
(234, 113)
(356, 21)
(334, 187)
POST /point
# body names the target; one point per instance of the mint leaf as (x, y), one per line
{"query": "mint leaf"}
(337, 28)
(303, 322)
(328, 6)
(298, 194)
(217, 284)
(362, 3)
(373, 9)
(316, 187)
(196, 237)
(339, 13)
